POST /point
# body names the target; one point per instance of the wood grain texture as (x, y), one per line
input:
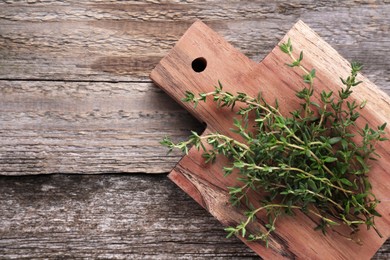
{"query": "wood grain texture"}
(115, 40)
(274, 80)
(110, 44)
(109, 217)
(87, 127)
(69, 43)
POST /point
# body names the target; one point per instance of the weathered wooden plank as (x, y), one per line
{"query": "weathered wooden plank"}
(87, 127)
(110, 216)
(38, 156)
(112, 40)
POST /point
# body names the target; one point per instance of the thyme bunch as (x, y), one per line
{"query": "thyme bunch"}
(307, 161)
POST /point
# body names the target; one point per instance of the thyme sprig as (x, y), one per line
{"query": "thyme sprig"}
(307, 161)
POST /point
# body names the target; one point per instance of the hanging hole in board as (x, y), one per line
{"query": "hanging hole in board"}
(199, 64)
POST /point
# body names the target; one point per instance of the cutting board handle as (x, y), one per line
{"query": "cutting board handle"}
(198, 60)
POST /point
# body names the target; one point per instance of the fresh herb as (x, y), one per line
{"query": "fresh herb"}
(308, 161)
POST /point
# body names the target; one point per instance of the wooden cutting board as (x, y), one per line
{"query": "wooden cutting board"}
(196, 63)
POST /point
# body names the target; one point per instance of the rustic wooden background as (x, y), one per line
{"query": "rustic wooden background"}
(76, 102)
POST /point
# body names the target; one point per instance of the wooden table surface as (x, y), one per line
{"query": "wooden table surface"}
(83, 175)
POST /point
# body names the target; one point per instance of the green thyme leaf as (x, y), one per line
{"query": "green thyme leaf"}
(307, 161)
